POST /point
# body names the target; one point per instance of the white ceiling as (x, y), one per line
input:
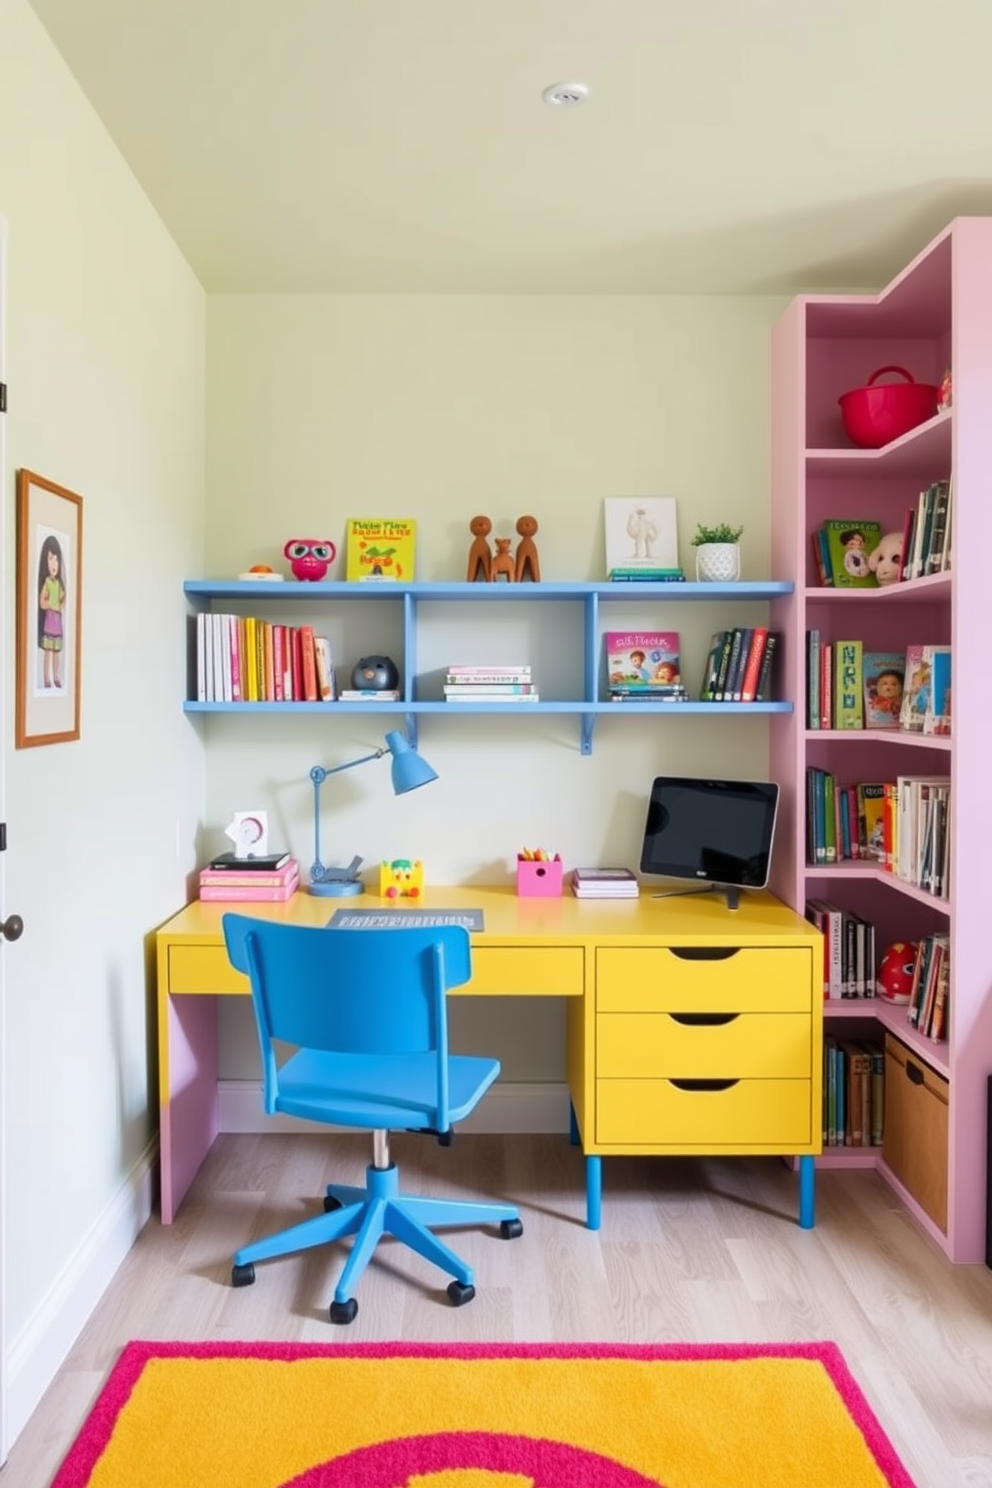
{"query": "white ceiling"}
(728, 146)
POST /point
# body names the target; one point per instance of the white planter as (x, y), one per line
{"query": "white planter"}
(718, 563)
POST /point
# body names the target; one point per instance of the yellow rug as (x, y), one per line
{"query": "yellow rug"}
(475, 1416)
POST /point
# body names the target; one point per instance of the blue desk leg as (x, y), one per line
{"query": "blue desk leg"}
(594, 1192)
(807, 1194)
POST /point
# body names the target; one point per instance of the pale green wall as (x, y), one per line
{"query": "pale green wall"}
(105, 366)
(314, 409)
(320, 408)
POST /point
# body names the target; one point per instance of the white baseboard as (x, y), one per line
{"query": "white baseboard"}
(507, 1109)
(41, 1348)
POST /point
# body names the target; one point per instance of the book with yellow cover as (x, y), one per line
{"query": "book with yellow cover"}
(380, 549)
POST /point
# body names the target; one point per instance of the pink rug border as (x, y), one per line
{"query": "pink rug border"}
(77, 1467)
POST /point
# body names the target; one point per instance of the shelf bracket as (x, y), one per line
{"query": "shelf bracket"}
(588, 724)
(411, 728)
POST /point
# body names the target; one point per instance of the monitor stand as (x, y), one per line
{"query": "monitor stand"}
(732, 892)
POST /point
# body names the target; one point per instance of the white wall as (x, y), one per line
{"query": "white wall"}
(439, 407)
(105, 363)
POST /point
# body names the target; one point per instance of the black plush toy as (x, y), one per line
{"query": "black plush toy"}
(375, 673)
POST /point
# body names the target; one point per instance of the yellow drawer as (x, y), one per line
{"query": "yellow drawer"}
(203, 969)
(747, 1114)
(640, 1045)
(658, 979)
(526, 971)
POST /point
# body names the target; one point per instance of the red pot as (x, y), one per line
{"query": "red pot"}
(875, 415)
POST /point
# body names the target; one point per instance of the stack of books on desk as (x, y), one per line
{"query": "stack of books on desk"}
(604, 883)
(271, 879)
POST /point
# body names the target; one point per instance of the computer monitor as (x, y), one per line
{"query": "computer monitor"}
(717, 833)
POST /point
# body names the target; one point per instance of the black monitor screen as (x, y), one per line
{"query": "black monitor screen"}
(712, 831)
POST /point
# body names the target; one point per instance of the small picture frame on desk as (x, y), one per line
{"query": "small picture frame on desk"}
(49, 590)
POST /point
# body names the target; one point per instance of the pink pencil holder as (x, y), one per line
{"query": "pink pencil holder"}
(539, 880)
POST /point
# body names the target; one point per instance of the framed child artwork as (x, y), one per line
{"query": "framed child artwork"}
(49, 608)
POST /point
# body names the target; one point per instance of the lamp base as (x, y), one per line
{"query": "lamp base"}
(336, 888)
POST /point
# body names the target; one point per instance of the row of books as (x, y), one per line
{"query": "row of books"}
(510, 683)
(849, 951)
(849, 688)
(853, 1092)
(902, 824)
(926, 534)
(740, 665)
(929, 996)
(250, 881)
(240, 658)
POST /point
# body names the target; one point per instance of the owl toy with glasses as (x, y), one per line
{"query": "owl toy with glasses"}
(310, 557)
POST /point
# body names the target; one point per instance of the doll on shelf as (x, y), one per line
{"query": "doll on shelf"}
(480, 557)
(527, 563)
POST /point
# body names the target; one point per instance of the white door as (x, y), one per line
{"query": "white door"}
(6, 629)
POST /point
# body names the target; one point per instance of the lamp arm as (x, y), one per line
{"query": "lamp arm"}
(318, 775)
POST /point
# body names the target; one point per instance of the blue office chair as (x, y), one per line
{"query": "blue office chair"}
(366, 1011)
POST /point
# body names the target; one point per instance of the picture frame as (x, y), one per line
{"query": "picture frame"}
(49, 606)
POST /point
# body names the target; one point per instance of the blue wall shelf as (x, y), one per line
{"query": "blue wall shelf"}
(595, 598)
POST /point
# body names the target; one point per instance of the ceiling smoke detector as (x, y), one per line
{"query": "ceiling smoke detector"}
(565, 95)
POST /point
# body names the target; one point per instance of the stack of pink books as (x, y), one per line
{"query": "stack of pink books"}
(250, 880)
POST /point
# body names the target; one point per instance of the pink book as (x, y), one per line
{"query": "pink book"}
(279, 662)
(223, 894)
(234, 625)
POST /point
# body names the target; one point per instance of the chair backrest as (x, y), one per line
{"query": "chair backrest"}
(350, 991)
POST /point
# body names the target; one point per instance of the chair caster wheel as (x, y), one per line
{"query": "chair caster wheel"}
(331, 1203)
(445, 1139)
(243, 1275)
(344, 1312)
(458, 1294)
(510, 1229)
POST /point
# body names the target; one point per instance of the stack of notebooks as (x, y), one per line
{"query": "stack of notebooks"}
(271, 878)
(604, 883)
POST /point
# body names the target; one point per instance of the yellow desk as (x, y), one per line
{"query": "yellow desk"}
(691, 1028)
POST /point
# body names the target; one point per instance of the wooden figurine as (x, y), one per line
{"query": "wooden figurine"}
(503, 560)
(527, 562)
(480, 558)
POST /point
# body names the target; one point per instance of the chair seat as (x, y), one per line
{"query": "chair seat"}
(390, 1091)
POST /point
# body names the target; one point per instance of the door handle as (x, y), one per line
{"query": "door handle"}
(12, 928)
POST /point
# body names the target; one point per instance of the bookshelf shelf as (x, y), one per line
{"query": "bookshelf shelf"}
(412, 602)
(933, 316)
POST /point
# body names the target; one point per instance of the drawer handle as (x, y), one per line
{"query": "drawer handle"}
(704, 1020)
(704, 1084)
(704, 953)
(914, 1073)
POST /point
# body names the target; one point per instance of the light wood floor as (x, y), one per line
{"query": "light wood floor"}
(690, 1250)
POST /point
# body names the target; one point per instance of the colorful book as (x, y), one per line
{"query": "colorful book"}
(850, 543)
(380, 549)
(884, 673)
(641, 533)
(937, 711)
(916, 690)
(848, 686)
(871, 820)
(645, 659)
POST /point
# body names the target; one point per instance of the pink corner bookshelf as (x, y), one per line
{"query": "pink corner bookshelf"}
(936, 314)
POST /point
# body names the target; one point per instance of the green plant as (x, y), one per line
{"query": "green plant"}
(721, 533)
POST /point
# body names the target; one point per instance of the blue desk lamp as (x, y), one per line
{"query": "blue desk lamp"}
(408, 770)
